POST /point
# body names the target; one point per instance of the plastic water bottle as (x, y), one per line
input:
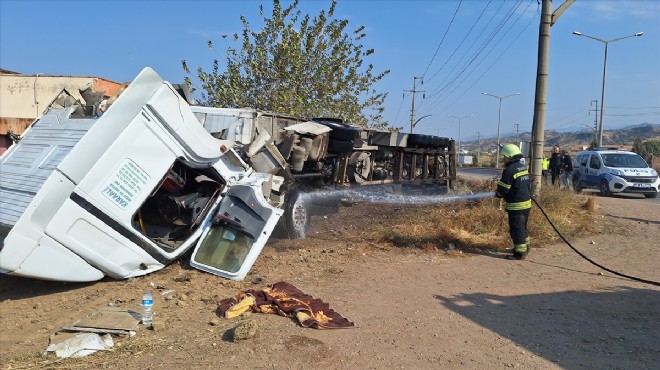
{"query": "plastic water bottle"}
(147, 309)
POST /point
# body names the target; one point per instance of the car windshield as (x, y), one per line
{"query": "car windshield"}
(624, 160)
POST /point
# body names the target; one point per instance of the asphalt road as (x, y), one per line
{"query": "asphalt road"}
(492, 172)
(479, 172)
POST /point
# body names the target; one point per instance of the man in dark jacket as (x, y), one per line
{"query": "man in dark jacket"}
(515, 188)
(555, 164)
(567, 169)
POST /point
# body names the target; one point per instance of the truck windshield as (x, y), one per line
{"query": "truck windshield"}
(224, 248)
(624, 160)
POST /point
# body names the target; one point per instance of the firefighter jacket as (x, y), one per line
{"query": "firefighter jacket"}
(515, 186)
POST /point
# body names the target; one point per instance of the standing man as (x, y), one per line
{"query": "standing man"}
(555, 164)
(515, 188)
(567, 168)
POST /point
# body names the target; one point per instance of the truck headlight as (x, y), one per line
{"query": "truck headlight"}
(616, 172)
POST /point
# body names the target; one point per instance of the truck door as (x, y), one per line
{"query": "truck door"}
(235, 236)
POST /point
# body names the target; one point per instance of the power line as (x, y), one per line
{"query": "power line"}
(440, 98)
(461, 43)
(483, 47)
(443, 38)
(489, 67)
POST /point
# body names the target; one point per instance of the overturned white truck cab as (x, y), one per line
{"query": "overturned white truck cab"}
(123, 194)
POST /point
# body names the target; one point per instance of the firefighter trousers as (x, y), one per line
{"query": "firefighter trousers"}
(518, 229)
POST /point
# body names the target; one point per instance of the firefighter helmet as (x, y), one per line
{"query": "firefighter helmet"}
(510, 150)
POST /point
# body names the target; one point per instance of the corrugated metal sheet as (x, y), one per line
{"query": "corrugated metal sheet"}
(28, 164)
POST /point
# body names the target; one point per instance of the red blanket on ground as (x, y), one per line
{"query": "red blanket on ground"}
(284, 299)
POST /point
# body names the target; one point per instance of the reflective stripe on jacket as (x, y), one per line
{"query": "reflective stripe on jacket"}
(514, 186)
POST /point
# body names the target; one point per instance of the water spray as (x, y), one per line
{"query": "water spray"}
(382, 195)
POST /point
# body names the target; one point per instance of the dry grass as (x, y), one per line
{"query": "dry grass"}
(122, 348)
(481, 226)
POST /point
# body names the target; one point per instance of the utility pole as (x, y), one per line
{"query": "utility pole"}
(547, 20)
(517, 130)
(478, 149)
(412, 110)
(595, 120)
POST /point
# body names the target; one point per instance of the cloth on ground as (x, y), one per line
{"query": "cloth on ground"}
(284, 299)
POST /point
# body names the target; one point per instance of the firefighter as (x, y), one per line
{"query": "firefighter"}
(514, 187)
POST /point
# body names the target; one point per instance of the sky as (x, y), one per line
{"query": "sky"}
(449, 51)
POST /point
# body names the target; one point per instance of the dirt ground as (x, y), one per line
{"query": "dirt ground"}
(412, 308)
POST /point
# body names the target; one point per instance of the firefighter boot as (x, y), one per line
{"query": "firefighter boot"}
(520, 251)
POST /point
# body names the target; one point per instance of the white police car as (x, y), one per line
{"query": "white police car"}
(614, 171)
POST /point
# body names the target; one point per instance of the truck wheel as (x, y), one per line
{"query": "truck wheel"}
(340, 131)
(359, 167)
(340, 146)
(296, 216)
(651, 195)
(576, 184)
(440, 142)
(604, 188)
(418, 140)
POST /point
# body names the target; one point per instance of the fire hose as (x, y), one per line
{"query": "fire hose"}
(587, 258)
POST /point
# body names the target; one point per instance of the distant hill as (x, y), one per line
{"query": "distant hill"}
(576, 140)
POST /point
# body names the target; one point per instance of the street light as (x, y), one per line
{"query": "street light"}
(499, 121)
(418, 119)
(602, 96)
(459, 129)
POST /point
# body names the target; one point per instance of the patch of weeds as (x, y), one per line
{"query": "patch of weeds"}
(482, 225)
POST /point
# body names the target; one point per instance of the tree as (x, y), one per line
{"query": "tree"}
(297, 65)
(639, 148)
(652, 147)
(593, 144)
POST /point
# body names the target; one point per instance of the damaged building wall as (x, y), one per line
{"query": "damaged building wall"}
(23, 98)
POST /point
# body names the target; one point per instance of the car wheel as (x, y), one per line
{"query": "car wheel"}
(651, 195)
(604, 188)
(576, 184)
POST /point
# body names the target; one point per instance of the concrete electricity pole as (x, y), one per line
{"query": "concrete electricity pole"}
(412, 110)
(547, 20)
(478, 148)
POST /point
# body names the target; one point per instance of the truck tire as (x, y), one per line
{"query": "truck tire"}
(440, 142)
(297, 216)
(340, 131)
(419, 140)
(340, 146)
(359, 167)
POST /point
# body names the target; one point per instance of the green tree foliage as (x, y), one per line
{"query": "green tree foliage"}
(652, 147)
(639, 148)
(297, 65)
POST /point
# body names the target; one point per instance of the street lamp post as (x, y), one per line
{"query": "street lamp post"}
(499, 121)
(418, 119)
(459, 129)
(602, 95)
